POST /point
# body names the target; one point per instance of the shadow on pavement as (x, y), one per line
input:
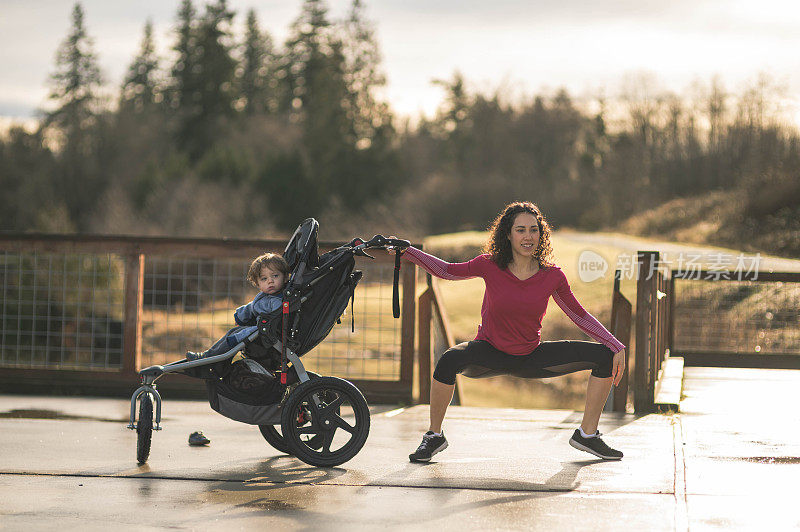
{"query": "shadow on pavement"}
(609, 421)
(286, 490)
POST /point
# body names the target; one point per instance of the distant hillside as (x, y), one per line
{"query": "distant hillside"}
(761, 217)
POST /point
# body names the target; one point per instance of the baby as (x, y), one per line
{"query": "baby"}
(268, 273)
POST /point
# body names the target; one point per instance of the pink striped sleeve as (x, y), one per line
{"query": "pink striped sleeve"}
(565, 299)
(453, 271)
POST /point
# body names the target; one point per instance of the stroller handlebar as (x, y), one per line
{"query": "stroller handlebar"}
(380, 241)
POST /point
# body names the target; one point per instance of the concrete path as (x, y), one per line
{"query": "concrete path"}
(741, 448)
(69, 463)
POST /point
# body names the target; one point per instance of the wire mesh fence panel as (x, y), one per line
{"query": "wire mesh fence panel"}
(61, 310)
(737, 317)
(188, 304)
(372, 351)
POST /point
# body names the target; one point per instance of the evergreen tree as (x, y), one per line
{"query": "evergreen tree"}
(203, 76)
(141, 136)
(184, 92)
(255, 76)
(183, 88)
(364, 77)
(314, 74)
(375, 168)
(216, 64)
(75, 82)
(140, 87)
(27, 168)
(74, 90)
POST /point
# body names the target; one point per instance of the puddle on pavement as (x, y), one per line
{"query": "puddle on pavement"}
(23, 413)
(272, 505)
(761, 459)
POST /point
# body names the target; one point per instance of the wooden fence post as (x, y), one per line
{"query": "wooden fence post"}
(621, 329)
(642, 399)
(425, 351)
(132, 328)
(407, 327)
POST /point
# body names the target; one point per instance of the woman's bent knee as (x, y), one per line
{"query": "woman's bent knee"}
(605, 362)
(447, 366)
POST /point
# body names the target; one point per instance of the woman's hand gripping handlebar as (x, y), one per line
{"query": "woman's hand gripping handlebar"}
(378, 241)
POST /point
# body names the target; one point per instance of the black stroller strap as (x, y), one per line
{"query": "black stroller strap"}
(395, 285)
(352, 309)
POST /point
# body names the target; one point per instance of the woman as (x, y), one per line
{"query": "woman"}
(520, 279)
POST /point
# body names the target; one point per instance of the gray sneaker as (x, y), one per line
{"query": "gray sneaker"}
(198, 438)
(594, 445)
(191, 355)
(431, 444)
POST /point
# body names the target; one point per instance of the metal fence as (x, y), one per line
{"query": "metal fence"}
(61, 310)
(751, 320)
(188, 304)
(104, 307)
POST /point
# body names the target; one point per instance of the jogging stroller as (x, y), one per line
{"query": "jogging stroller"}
(324, 421)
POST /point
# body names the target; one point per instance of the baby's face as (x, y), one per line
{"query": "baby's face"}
(270, 281)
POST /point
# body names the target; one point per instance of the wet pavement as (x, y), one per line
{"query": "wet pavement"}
(69, 463)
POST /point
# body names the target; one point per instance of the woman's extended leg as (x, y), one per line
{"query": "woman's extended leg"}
(453, 361)
(596, 395)
(434, 441)
(441, 395)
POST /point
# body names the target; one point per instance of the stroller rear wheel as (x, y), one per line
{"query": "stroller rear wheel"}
(144, 428)
(325, 422)
(272, 433)
(274, 438)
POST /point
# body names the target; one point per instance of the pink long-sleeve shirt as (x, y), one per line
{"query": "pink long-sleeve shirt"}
(513, 309)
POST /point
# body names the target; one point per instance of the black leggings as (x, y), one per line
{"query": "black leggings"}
(479, 358)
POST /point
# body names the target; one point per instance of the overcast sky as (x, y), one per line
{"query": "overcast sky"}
(525, 46)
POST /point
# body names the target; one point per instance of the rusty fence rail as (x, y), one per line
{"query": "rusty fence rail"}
(90, 311)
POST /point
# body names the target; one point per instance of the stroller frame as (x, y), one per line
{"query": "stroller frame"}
(311, 404)
(153, 373)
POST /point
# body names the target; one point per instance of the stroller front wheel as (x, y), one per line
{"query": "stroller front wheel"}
(144, 428)
(325, 422)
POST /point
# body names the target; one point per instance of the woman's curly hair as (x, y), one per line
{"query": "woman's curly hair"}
(499, 246)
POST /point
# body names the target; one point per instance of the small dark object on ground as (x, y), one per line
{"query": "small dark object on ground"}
(197, 438)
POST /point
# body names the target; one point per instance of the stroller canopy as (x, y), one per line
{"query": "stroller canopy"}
(302, 252)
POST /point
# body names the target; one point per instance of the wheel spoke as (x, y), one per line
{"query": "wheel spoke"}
(336, 403)
(326, 444)
(311, 429)
(312, 405)
(342, 424)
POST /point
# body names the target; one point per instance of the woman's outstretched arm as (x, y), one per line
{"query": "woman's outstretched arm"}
(565, 299)
(435, 266)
